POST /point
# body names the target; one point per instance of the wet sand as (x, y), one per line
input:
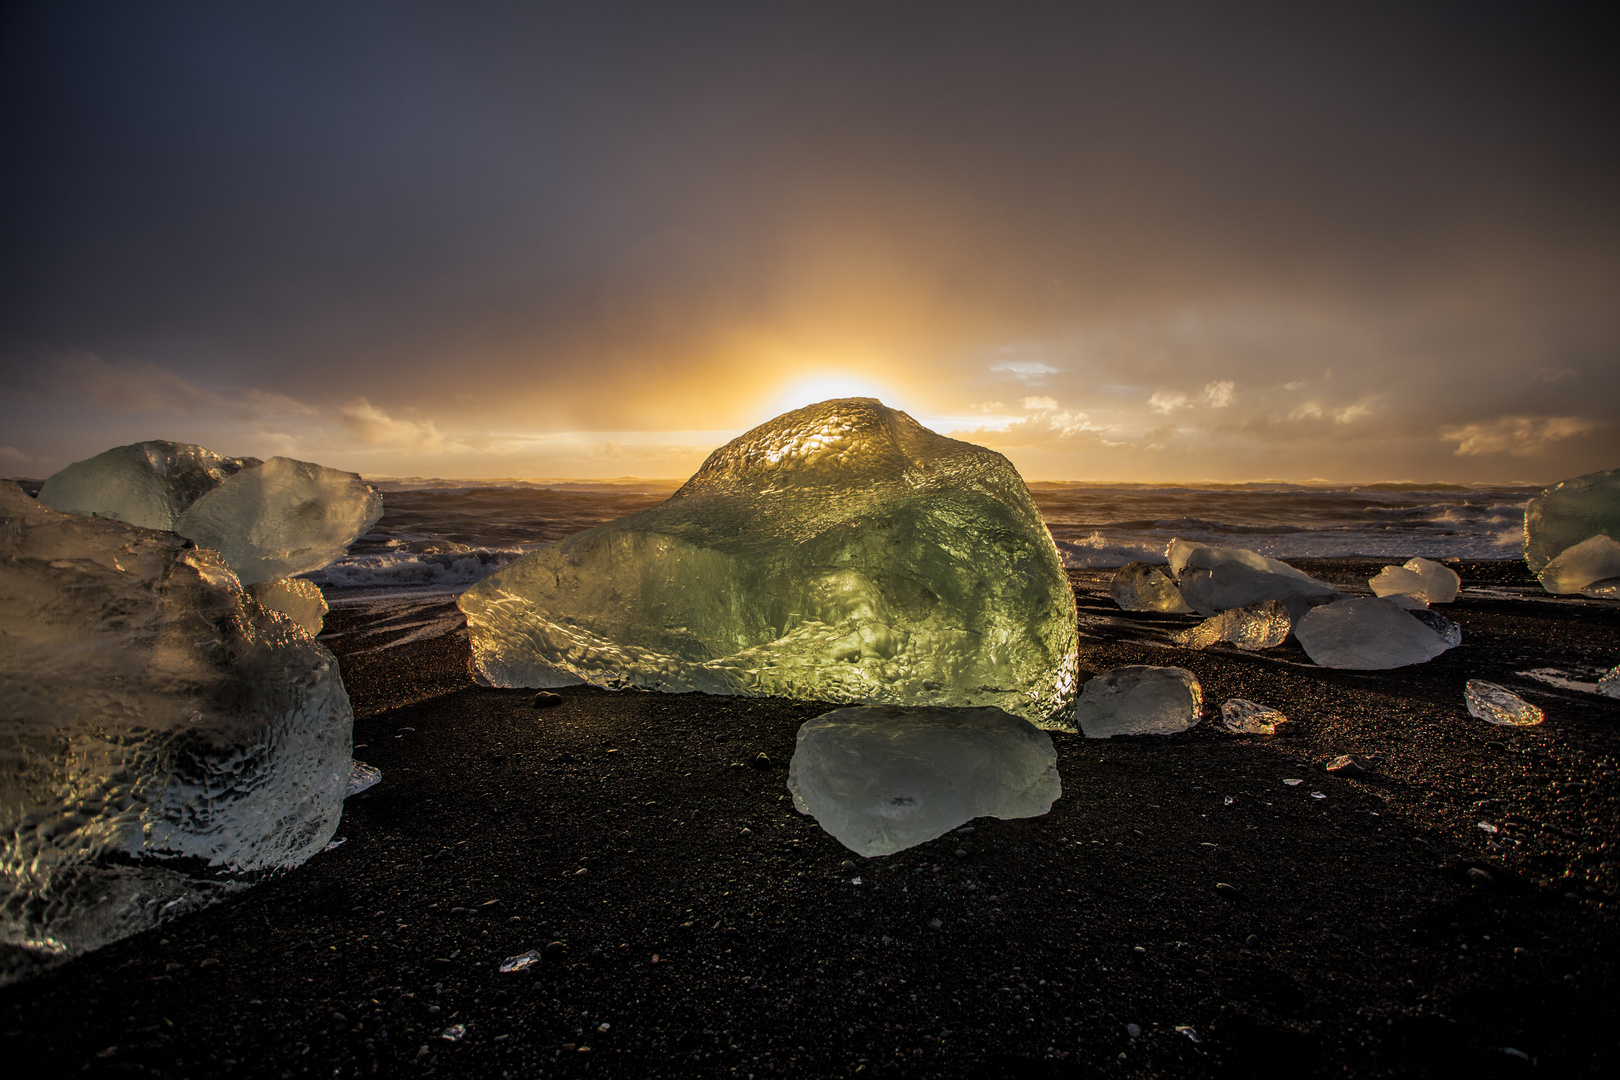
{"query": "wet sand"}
(707, 929)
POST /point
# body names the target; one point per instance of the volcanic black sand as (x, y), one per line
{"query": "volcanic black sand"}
(1368, 925)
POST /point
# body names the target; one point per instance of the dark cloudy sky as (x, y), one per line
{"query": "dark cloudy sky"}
(1125, 241)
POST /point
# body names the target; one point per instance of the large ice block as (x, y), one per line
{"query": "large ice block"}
(1141, 586)
(152, 710)
(1139, 700)
(1575, 569)
(1425, 579)
(146, 483)
(1253, 627)
(840, 552)
(882, 778)
(1567, 513)
(282, 518)
(1213, 579)
(1366, 633)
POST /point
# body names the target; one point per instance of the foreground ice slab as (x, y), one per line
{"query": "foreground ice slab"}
(1425, 579)
(1213, 579)
(282, 518)
(1258, 626)
(146, 483)
(841, 551)
(881, 778)
(1141, 586)
(151, 710)
(1498, 705)
(1244, 717)
(1577, 568)
(1569, 512)
(1368, 634)
(1139, 700)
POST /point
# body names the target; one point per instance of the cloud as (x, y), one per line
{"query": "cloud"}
(1026, 370)
(1167, 401)
(1040, 402)
(1220, 394)
(374, 427)
(1520, 436)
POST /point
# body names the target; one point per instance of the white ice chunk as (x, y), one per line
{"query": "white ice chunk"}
(152, 710)
(1213, 579)
(146, 483)
(1141, 586)
(1609, 685)
(1576, 568)
(283, 518)
(881, 778)
(1498, 705)
(1257, 626)
(1569, 512)
(1423, 578)
(1139, 700)
(1243, 717)
(840, 552)
(1366, 633)
(299, 600)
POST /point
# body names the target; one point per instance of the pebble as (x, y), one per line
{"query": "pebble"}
(761, 761)
(1252, 941)
(454, 1033)
(521, 961)
(1345, 765)
(545, 699)
(555, 950)
(1229, 891)
(935, 924)
(1133, 1031)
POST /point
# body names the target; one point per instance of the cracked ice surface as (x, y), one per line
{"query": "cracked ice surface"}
(1141, 586)
(1498, 705)
(1213, 579)
(1257, 626)
(153, 710)
(881, 778)
(1369, 634)
(840, 552)
(146, 483)
(1243, 717)
(1139, 699)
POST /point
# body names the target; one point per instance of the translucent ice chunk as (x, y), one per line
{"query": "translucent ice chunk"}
(520, 962)
(883, 778)
(1604, 589)
(1569, 512)
(299, 600)
(1139, 700)
(1256, 626)
(1449, 631)
(1609, 685)
(840, 552)
(1366, 633)
(362, 777)
(1242, 717)
(1213, 579)
(283, 518)
(1423, 578)
(1592, 560)
(1141, 586)
(146, 483)
(151, 710)
(1499, 705)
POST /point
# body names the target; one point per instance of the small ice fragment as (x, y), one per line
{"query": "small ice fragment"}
(299, 600)
(1345, 765)
(335, 843)
(882, 778)
(1498, 705)
(1190, 1032)
(1449, 631)
(361, 776)
(1227, 800)
(1423, 578)
(1293, 783)
(1365, 633)
(1255, 626)
(1595, 559)
(855, 880)
(1243, 717)
(1139, 700)
(1213, 579)
(1141, 586)
(521, 961)
(1609, 685)
(1487, 827)
(454, 1033)
(1317, 795)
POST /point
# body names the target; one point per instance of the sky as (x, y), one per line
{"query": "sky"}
(1116, 242)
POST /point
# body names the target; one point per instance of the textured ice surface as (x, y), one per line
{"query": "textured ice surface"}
(1606, 589)
(1576, 568)
(361, 777)
(882, 778)
(1257, 626)
(1141, 586)
(1569, 512)
(1499, 705)
(151, 710)
(299, 600)
(1449, 631)
(1366, 633)
(1243, 717)
(1609, 685)
(282, 518)
(1213, 579)
(146, 483)
(1423, 578)
(840, 552)
(1139, 700)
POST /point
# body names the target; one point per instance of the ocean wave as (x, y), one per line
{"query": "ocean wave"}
(1098, 550)
(416, 569)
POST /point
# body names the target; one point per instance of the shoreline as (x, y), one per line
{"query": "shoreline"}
(1377, 928)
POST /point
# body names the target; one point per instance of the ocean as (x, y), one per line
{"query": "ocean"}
(443, 535)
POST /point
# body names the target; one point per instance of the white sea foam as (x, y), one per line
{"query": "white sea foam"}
(1098, 550)
(416, 570)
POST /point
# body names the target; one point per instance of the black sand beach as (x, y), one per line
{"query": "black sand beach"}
(1180, 912)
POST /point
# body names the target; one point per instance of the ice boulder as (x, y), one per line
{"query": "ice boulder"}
(1213, 579)
(152, 711)
(1141, 586)
(1577, 568)
(146, 483)
(299, 600)
(1498, 705)
(1569, 512)
(282, 518)
(1256, 626)
(882, 778)
(1423, 578)
(1243, 717)
(1367, 633)
(1139, 700)
(840, 552)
